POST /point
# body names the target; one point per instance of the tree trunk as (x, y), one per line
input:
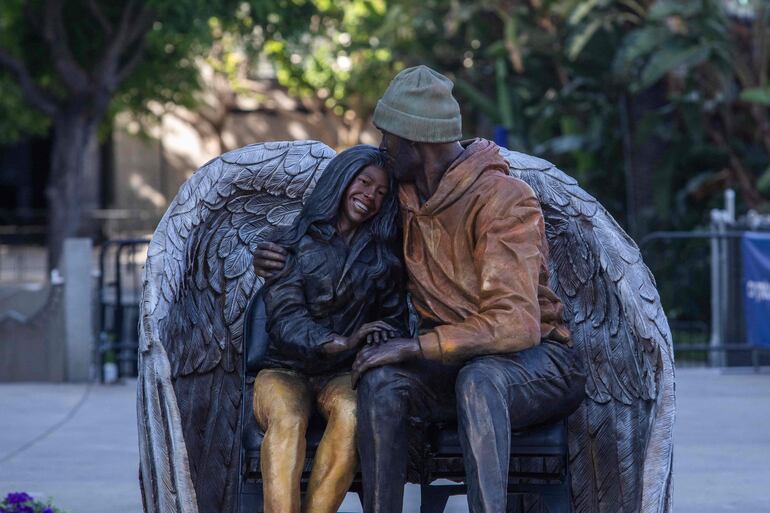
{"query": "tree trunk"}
(73, 190)
(643, 156)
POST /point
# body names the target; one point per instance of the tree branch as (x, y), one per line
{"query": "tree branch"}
(32, 93)
(134, 24)
(99, 15)
(129, 19)
(142, 24)
(131, 63)
(104, 72)
(126, 16)
(71, 73)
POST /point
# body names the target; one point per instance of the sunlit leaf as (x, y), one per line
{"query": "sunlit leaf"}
(686, 8)
(756, 95)
(763, 184)
(583, 10)
(637, 44)
(581, 39)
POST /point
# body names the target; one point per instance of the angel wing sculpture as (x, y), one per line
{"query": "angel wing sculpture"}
(199, 279)
(197, 283)
(620, 439)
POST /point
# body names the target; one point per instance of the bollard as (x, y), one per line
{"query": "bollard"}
(78, 337)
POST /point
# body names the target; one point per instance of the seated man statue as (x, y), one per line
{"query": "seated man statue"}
(492, 350)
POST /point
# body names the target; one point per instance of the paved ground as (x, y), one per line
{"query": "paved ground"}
(77, 444)
(722, 442)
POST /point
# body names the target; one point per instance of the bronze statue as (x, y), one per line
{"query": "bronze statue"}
(475, 253)
(199, 279)
(341, 285)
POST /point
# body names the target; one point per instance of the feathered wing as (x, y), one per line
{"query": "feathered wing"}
(198, 281)
(621, 437)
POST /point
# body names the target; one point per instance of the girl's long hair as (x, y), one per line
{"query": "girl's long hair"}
(322, 208)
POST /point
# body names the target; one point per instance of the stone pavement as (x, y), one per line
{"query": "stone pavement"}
(722, 442)
(77, 444)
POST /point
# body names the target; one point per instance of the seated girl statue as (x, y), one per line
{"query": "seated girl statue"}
(341, 287)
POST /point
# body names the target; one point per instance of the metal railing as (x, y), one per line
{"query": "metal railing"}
(698, 275)
(700, 283)
(119, 288)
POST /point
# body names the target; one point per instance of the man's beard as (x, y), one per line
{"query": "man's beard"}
(405, 166)
(390, 163)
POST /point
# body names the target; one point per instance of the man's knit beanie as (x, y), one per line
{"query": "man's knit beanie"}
(418, 105)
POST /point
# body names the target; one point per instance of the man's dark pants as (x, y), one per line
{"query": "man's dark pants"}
(489, 395)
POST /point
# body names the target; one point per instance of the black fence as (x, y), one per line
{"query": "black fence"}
(681, 262)
(119, 289)
(699, 278)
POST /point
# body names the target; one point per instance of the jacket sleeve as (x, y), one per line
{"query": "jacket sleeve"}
(292, 329)
(507, 255)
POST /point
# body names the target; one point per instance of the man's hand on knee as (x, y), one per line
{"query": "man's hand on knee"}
(396, 350)
(269, 259)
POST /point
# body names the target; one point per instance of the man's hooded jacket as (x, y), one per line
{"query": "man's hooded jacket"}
(477, 258)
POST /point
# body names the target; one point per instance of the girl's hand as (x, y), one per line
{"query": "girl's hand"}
(372, 333)
(376, 338)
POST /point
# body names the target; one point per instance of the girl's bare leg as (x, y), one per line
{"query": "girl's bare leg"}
(336, 459)
(282, 409)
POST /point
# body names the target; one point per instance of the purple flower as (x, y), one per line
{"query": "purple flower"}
(17, 498)
(47, 510)
(24, 509)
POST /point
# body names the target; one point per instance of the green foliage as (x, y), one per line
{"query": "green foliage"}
(677, 37)
(17, 120)
(181, 33)
(757, 95)
(616, 92)
(339, 59)
(763, 184)
(559, 75)
(620, 93)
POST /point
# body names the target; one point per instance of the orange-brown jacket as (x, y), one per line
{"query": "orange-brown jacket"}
(476, 256)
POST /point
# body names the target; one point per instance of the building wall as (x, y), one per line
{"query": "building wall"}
(150, 165)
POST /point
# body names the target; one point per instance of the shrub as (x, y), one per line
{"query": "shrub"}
(20, 502)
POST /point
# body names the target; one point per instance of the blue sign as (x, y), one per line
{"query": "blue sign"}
(756, 287)
(501, 136)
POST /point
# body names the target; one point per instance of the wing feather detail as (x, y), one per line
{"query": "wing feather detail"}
(621, 436)
(197, 284)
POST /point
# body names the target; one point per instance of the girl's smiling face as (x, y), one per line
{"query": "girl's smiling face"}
(364, 196)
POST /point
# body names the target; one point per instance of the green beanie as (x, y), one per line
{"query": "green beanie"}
(418, 105)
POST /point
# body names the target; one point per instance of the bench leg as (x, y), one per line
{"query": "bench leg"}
(433, 499)
(556, 503)
(560, 499)
(251, 498)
